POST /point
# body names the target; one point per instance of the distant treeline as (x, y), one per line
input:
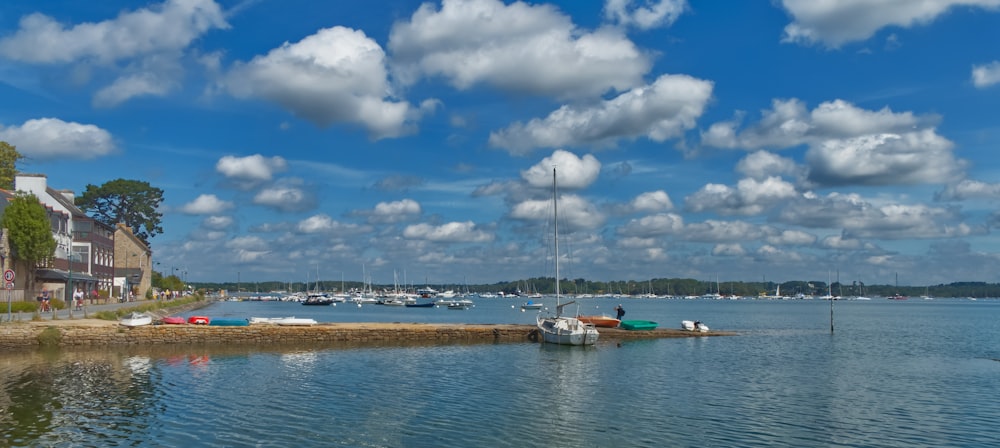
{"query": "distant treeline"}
(659, 286)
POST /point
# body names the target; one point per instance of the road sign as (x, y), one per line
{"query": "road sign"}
(8, 275)
(9, 285)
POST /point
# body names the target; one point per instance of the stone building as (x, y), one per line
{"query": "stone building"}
(133, 263)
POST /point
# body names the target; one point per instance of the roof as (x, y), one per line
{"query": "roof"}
(61, 275)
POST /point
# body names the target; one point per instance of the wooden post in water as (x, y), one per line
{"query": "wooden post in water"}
(831, 315)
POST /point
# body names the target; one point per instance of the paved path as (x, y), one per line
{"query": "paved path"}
(88, 311)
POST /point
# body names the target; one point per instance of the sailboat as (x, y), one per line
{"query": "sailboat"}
(560, 329)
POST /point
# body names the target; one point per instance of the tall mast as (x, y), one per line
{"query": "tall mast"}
(555, 216)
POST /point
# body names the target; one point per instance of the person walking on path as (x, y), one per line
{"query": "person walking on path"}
(78, 299)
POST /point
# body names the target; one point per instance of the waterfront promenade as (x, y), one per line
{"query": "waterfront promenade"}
(66, 314)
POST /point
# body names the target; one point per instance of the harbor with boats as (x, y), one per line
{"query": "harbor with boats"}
(784, 366)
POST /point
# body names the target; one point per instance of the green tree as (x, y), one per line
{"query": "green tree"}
(31, 237)
(131, 202)
(8, 164)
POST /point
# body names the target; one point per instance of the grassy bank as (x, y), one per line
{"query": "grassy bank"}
(157, 308)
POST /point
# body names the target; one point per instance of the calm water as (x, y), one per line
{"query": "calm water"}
(914, 373)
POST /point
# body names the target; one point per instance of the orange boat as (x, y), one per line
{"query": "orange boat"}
(600, 321)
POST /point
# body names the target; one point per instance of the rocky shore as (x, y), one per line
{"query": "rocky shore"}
(100, 333)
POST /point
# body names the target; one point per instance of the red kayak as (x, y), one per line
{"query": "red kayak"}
(173, 320)
(198, 320)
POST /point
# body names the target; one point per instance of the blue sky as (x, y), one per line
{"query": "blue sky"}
(746, 140)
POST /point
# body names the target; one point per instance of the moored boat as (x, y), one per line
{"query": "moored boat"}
(458, 306)
(638, 325)
(559, 329)
(694, 325)
(229, 322)
(529, 305)
(296, 321)
(173, 320)
(600, 321)
(199, 320)
(136, 320)
(318, 300)
(420, 305)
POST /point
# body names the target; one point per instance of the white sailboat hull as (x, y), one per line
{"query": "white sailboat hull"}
(566, 331)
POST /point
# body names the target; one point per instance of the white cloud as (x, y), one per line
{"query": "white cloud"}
(728, 250)
(475, 41)
(289, 198)
(652, 14)
(840, 243)
(206, 204)
(848, 145)
(636, 242)
(52, 138)
(253, 169)
(654, 225)
(396, 211)
(787, 237)
(169, 26)
(969, 189)
(252, 243)
(860, 218)
(761, 165)
(573, 172)
(884, 159)
(986, 75)
(722, 231)
(660, 111)
(248, 248)
(750, 197)
(316, 223)
(337, 75)
(142, 49)
(575, 212)
(217, 222)
(788, 123)
(652, 201)
(836, 22)
(452, 232)
(322, 223)
(131, 86)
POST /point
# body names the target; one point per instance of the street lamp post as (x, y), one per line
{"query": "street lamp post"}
(69, 285)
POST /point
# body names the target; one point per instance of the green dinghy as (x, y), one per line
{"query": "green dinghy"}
(636, 325)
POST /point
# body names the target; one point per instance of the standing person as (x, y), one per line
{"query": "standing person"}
(45, 299)
(94, 296)
(78, 298)
(620, 311)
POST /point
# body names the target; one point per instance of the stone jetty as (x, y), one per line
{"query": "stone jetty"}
(98, 333)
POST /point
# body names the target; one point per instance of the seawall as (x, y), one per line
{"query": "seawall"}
(84, 333)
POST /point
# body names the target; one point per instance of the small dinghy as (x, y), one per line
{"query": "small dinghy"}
(221, 322)
(600, 321)
(694, 325)
(136, 320)
(638, 325)
(173, 320)
(198, 320)
(529, 305)
(294, 321)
